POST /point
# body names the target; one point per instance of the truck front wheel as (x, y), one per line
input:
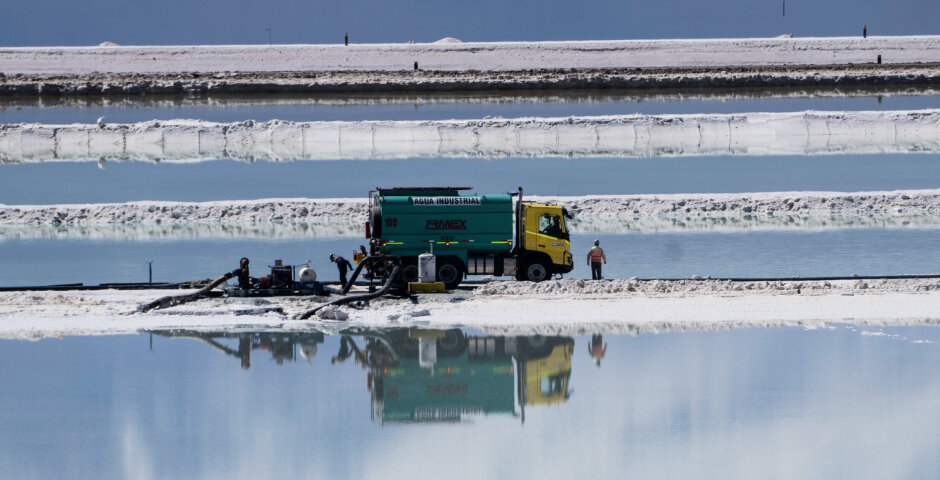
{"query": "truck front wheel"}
(536, 271)
(450, 273)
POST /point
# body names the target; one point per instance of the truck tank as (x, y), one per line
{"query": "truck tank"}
(458, 228)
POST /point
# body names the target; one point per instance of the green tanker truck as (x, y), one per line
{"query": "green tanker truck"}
(497, 234)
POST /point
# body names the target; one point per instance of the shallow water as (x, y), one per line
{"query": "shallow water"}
(302, 108)
(52, 183)
(864, 251)
(842, 402)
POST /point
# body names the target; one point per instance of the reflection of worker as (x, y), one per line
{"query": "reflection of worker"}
(594, 257)
(344, 351)
(244, 351)
(244, 281)
(597, 348)
(343, 265)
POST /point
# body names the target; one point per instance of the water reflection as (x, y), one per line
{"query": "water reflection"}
(391, 106)
(838, 402)
(427, 375)
(282, 346)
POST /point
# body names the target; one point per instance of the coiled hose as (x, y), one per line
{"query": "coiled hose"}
(169, 301)
(353, 298)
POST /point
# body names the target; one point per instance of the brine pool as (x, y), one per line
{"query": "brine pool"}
(838, 402)
(839, 252)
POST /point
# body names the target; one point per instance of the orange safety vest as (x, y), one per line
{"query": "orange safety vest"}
(596, 254)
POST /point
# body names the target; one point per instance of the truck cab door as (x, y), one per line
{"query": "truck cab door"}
(545, 231)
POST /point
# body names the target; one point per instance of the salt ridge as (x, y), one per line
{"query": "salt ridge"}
(344, 217)
(751, 134)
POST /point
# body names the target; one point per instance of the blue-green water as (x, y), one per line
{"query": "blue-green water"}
(305, 108)
(52, 183)
(865, 251)
(843, 402)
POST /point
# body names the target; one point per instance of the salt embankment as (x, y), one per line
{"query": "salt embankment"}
(310, 211)
(670, 63)
(354, 227)
(301, 217)
(752, 134)
(569, 306)
(568, 287)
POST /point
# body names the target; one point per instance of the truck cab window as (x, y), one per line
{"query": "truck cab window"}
(552, 385)
(551, 225)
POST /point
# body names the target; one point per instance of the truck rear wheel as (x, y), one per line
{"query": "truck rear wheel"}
(449, 272)
(535, 271)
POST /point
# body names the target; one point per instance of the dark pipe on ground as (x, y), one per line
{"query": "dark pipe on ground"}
(388, 284)
(166, 302)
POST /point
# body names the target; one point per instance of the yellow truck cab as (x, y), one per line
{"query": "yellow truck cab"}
(545, 241)
(546, 376)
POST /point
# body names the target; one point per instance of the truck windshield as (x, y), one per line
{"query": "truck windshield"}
(551, 225)
(552, 385)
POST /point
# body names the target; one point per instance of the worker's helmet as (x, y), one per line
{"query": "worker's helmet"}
(597, 243)
(332, 257)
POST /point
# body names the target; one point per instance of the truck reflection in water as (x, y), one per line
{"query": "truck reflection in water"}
(282, 346)
(447, 376)
(420, 375)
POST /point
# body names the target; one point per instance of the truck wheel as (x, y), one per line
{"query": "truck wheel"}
(535, 271)
(409, 273)
(452, 344)
(450, 273)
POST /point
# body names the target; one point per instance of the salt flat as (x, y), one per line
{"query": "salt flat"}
(833, 61)
(478, 56)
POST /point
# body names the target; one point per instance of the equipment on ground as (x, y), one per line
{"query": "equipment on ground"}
(306, 275)
(427, 268)
(281, 283)
(471, 234)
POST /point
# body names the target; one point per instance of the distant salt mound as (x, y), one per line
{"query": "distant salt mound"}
(108, 44)
(449, 40)
(785, 35)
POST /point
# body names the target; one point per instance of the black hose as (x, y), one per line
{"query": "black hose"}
(355, 275)
(166, 302)
(353, 298)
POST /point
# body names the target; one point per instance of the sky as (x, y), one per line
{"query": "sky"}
(181, 22)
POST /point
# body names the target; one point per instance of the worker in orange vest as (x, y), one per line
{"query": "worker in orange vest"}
(594, 257)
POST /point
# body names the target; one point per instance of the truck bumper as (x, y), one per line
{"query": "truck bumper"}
(563, 268)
